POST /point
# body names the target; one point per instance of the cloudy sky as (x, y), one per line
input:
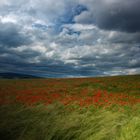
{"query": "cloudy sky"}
(68, 38)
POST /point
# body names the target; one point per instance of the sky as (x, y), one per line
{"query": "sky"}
(70, 38)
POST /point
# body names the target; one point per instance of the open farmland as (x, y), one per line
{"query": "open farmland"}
(105, 108)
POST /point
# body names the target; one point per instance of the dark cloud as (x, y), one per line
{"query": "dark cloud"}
(112, 14)
(11, 36)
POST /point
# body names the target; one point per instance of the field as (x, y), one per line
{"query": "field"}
(105, 108)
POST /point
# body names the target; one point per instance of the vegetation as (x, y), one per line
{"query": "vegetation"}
(106, 108)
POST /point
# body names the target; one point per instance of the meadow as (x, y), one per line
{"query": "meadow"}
(104, 108)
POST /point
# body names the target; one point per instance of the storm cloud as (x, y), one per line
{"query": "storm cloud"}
(112, 14)
(12, 36)
(72, 38)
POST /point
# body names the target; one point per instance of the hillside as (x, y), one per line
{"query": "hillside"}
(16, 76)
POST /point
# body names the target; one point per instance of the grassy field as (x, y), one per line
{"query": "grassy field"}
(105, 108)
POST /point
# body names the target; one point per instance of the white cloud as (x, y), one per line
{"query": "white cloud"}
(80, 27)
(3, 2)
(8, 18)
(132, 71)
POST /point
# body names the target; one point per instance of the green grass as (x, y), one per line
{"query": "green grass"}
(72, 122)
(57, 122)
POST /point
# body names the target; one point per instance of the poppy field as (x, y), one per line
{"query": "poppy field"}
(105, 108)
